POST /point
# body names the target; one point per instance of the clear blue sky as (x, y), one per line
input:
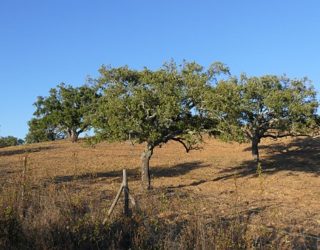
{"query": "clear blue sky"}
(45, 42)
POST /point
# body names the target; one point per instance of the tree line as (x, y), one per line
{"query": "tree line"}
(176, 103)
(7, 141)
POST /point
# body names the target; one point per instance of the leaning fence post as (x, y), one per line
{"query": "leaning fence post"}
(126, 193)
(115, 200)
(123, 187)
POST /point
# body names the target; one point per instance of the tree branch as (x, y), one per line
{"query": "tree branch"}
(247, 132)
(281, 136)
(183, 143)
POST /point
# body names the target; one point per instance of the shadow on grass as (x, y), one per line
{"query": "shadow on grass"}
(301, 155)
(131, 173)
(134, 174)
(24, 151)
(178, 169)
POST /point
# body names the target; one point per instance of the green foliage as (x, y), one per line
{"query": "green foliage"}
(41, 130)
(251, 108)
(65, 111)
(10, 141)
(273, 105)
(154, 106)
(223, 102)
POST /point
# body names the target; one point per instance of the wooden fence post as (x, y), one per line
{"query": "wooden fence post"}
(25, 158)
(127, 196)
(126, 193)
(23, 184)
(24, 172)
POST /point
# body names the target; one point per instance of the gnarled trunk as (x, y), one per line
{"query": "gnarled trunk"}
(255, 148)
(73, 135)
(145, 170)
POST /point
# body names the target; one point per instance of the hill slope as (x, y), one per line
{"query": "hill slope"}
(220, 178)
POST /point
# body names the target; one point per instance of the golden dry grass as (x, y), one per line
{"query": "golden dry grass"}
(219, 179)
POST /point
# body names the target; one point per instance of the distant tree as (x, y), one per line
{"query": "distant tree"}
(65, 110)
(41, 130)
(153, 107)
(10, 141)
(253, 108)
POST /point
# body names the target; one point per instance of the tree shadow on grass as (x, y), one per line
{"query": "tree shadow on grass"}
(134, 174)
(114, 174)
(301, 155)
(178, 169)
(24, 151)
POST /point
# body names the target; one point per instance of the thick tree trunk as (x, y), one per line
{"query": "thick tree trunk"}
(145, 170)
(72, 135)
(255, 149)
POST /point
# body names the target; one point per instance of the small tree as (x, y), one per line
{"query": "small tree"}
(10, 141)
(153, 107)
(66, 110)
(253, 108)
(41, 130)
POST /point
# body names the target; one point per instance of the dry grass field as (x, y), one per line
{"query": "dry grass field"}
(279, 205)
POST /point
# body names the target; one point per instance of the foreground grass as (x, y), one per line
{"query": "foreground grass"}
(209, 199)
(54, 217)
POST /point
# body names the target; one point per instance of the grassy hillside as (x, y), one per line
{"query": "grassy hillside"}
(213, 196)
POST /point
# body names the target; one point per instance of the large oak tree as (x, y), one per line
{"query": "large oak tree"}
(153, 107)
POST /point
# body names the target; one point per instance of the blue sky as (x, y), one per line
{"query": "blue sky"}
(46, 42)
